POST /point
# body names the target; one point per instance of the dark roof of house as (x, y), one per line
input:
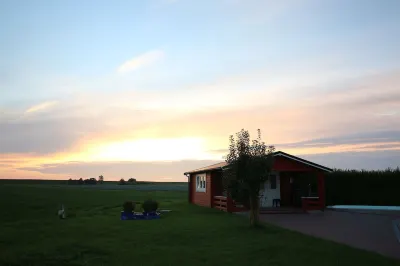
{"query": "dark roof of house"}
(217, 166)
(221, 165)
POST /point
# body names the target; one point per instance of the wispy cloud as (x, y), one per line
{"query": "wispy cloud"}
(127, 116)
(365, 137)
(388, 114)
(139, 61)
(114, 127)
(41, 106)
(357, 160)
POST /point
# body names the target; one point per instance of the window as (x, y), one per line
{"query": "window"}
(201, 183)
(272, 181)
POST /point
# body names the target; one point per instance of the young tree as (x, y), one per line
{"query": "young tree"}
(248, 166)
(101, 179)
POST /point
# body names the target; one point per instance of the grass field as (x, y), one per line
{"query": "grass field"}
(32, 234)
(107, 185)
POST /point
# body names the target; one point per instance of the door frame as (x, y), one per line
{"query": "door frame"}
(265, 200)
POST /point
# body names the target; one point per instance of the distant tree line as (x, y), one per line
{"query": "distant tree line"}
(131, 181)
(93, 181)
(80, 181)
(89, 181)
(361, 187)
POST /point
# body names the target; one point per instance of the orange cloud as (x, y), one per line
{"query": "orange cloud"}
(121, 126)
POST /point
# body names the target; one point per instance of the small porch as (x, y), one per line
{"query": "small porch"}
(294, 190)
(284, 192)
(227, 204)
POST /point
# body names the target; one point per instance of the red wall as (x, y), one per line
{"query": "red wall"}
(285, 164)
(201, 198)
(280, 164)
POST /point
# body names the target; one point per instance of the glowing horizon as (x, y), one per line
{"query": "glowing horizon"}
(134, 92)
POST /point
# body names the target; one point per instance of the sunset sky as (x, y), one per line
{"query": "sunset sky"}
(153, 88)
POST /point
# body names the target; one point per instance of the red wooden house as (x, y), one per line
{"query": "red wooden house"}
(293, 182)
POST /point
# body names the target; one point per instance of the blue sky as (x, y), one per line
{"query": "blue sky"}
(127, 71)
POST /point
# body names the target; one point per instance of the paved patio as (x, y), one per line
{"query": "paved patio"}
(373, 232)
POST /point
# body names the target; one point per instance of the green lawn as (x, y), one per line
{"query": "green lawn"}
(32, 234)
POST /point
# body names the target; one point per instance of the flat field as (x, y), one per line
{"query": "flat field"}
(32, 234)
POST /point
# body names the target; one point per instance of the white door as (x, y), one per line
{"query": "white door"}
(271, 191)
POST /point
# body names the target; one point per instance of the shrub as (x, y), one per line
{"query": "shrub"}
(128, 206)
(90, 181)
(150, 206)
(121, 182)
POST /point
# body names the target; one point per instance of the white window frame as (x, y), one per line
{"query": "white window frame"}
(201, 183)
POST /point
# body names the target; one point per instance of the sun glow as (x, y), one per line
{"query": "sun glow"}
(150, 150)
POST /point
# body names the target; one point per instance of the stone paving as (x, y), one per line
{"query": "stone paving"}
(369, 231)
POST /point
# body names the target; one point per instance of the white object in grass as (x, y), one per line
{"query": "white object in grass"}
(61, 213)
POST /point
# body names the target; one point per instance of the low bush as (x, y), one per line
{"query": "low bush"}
(150, 206)
(128, 206)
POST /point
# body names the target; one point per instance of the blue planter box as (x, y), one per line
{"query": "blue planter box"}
(139, 216)
(150, 214)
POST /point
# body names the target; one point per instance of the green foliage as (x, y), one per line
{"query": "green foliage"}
(150, 206)
(249, 164)
(121, 182)
(239, 192)
(128, 206)
(352, 187)
(132, 181)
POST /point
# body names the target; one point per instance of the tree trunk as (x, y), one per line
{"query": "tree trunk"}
(254, 211)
